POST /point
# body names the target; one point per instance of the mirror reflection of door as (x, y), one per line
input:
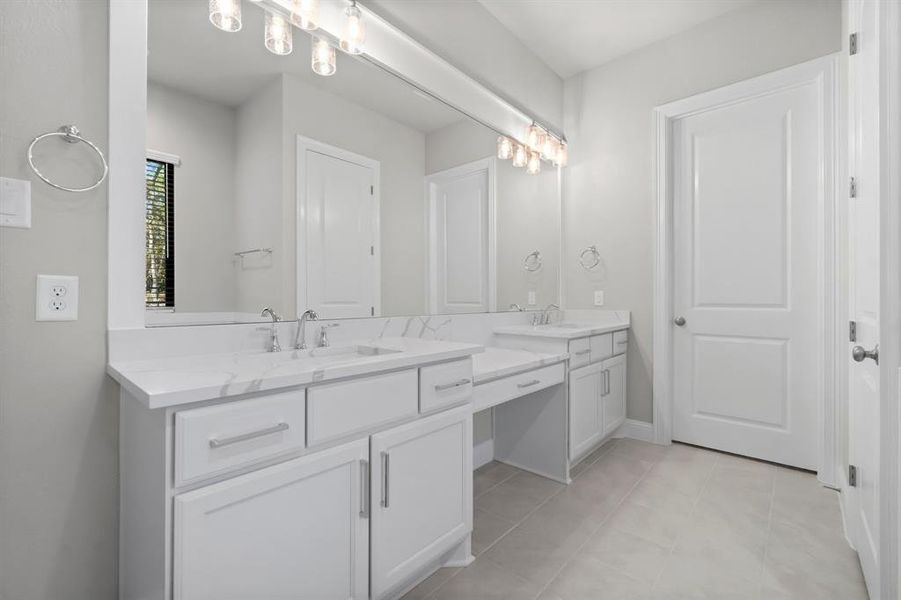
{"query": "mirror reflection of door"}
(338, 265)
(461, 239)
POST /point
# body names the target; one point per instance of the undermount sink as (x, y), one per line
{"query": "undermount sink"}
(564, 326)
(333, 354)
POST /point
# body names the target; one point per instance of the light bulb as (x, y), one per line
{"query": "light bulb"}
(305, 14)
(534, 165)
(520, 155)
(535, 137)
(226, 14)
(354, 33)
(323, 59)
(278, 34)
(562, 155)
(504, 148)
(549, 147)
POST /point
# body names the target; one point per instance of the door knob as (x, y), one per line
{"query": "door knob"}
(679, 321)
(859, 354)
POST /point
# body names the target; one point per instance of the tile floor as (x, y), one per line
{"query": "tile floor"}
(642, 521)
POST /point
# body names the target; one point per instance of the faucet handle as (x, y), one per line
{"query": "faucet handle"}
(323, 333)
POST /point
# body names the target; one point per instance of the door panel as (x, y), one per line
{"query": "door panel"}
(294, 530)
(585, 410)
(748, 187)
(614, 396)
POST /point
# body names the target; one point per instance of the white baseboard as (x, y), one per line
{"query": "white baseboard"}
(636, 430)
(482, 454)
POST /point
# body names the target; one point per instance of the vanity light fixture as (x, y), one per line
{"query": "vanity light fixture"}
(562, 156)
(533, 167)
(535, 137)
(354, 33)
(324, 57)
(305, 14)
(504, 148)
(520, 155)
(226, 14)
(278, 34)
(549, 147)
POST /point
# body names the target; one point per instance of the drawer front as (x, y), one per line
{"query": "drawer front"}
(620, 341)
(579, 353)
(445, 385)
(601, 346)
(340, 409)
(495, 392)
(216, 439)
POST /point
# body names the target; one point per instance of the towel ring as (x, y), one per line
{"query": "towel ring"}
(596, 256)
(70, 134)
(532, 261)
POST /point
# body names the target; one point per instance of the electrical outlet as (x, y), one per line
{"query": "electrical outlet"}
(532, 300)
(56, 298)
(598, 298)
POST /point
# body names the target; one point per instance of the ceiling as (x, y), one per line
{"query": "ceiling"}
(571, 36)
(187, 53)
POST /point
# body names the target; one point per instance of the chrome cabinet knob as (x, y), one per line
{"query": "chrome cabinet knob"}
(679, 321)
(859, 354)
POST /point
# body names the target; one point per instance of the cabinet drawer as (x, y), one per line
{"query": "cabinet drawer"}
(620, 341)
(340, 409)
(445, 385)
(216, 439)
(579, 353)
(495, 392)
(601, 346)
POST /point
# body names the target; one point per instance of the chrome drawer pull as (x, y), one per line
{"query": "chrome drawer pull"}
(385, 465)
(218, 443)
(446, 386)
(364, 488)
(528, 384)
(581, 352)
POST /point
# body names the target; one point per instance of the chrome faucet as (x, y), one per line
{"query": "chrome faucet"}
(274, 346)
(300, 337)
(323, 334)
(545, 317)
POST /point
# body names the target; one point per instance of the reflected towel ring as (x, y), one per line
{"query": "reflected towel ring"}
(532, 261)
(595, 258)
(70, 134)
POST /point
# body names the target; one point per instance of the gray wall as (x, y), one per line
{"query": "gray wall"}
(58, 409)
(609, 184)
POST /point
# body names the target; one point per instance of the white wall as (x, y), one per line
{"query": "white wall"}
(58, 409)
(609, 184)
(202, 134)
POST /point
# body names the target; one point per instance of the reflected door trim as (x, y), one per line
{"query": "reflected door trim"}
(822, 74)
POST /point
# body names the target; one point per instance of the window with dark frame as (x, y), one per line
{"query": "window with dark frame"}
(159, 271)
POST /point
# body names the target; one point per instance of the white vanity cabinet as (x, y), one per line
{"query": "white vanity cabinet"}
(585, 411)
(299, 529)
(422, 495)
(613, 393)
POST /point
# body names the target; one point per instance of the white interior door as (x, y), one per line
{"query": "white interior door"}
(338, 270)
(748, 191)
(461, 239)
(864, 259)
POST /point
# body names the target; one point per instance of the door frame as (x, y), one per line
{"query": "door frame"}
(304, 144)
(488, 164)
(824, 73)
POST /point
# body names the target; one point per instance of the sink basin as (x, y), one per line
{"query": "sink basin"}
(337, 354)
(564, 326)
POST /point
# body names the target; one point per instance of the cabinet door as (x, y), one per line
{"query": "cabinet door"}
(585, 413)
(613, 394)
(421, 493)
(294, 530)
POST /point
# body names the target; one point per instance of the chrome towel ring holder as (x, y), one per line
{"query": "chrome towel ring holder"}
(532, 261)
(590, 258)
(70, 134)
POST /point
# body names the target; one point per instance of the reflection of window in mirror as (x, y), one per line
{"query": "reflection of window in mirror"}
(159, 270)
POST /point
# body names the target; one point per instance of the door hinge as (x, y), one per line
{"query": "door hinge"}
(852, 44)
(852, 331)
(371, 311)
(852, 188)
(852, 475)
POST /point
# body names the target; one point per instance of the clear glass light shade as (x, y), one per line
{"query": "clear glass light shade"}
(535, 136)
(533, 167)
(549, 147)
(278, 34)
(520, 155)
(305, 14)
(504, 148)
(562, 155)
(354, 34)
(324, 58)
(226, 14)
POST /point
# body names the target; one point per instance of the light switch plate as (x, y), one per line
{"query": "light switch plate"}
(56, 298)
(15, 203)
(532, 300)
(599, 298)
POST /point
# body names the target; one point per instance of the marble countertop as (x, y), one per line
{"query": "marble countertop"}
(564, 330)
(162, 382)
(501, 362)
